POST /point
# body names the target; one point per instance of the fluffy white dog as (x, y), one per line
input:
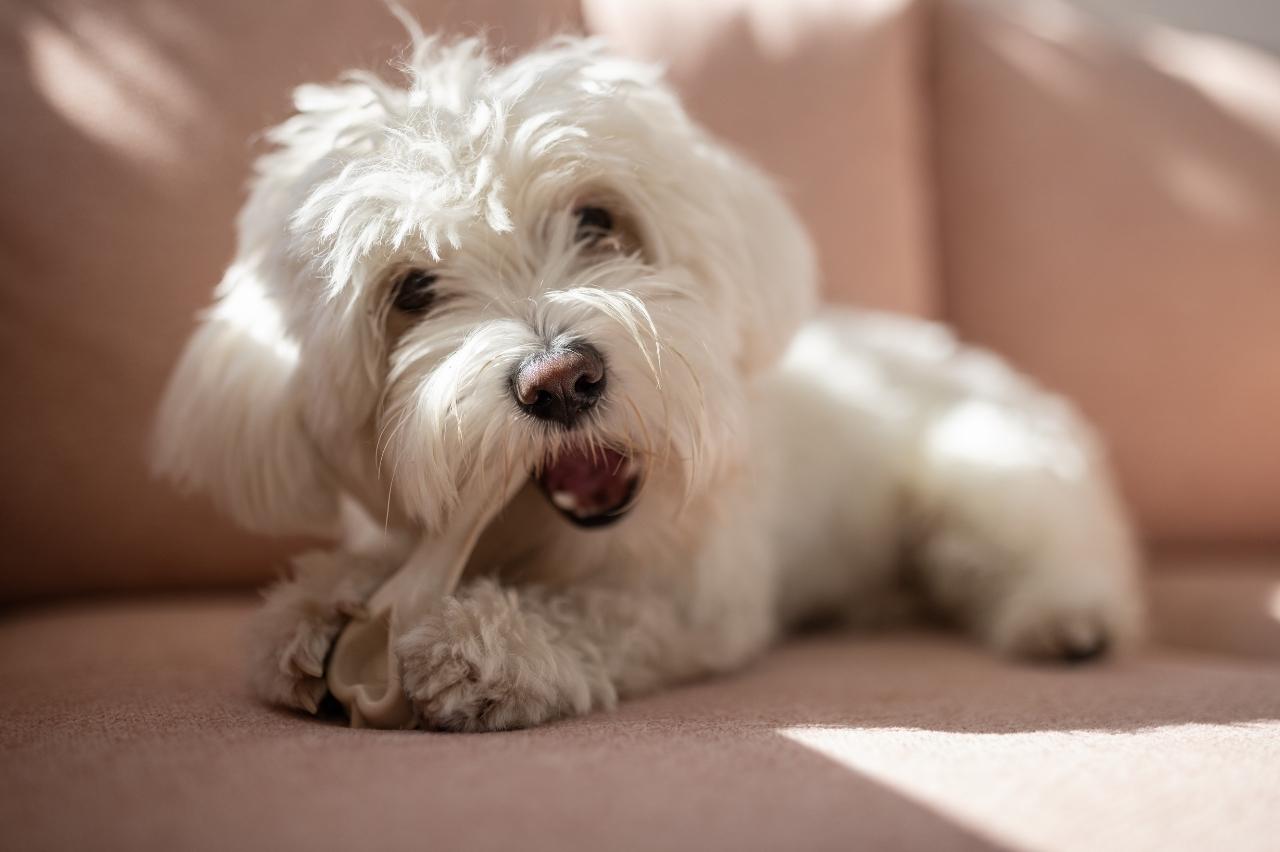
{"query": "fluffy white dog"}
(547, 266)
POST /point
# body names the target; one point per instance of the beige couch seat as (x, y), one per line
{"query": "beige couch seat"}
(126, 725)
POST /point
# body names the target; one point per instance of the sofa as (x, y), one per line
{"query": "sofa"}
(1097, 201)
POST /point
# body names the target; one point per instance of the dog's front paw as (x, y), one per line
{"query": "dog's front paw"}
(290, 636)
(287, 657)
(482, 662)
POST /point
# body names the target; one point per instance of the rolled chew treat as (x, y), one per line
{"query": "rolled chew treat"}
(363, 672)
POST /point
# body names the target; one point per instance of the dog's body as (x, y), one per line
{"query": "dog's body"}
(545, 266)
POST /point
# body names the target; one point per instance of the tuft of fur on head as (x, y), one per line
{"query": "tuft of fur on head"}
(305, 380)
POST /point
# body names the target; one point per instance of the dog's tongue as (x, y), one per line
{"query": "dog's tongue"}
(589, 486)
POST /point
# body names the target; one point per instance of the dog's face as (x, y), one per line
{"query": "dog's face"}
(543, 267)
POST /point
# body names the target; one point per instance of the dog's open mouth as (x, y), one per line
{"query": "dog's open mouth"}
(590, 486)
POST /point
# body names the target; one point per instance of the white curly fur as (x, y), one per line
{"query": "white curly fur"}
(793, 469)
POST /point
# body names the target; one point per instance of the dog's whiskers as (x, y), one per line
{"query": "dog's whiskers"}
(644, 428)
(391, 485)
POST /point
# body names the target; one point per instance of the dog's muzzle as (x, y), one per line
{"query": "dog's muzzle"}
(589, 484)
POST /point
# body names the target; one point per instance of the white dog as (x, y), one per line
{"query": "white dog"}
(547, 264)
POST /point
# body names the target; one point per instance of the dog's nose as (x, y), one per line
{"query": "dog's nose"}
(562, 384)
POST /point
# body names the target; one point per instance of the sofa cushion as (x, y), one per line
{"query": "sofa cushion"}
(125, 726)
(1209, 601)
(1109, 210)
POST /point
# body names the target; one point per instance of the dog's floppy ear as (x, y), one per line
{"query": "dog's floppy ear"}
(779, 271)
(231, 423)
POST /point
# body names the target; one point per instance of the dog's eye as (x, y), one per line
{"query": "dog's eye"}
(593, 223)
(415, 291)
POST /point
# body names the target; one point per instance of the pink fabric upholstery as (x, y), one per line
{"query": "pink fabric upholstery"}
(1207, 602)
(124, 726)
(1109, 213)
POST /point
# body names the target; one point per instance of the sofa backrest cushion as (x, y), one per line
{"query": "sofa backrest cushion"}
(1109, 217)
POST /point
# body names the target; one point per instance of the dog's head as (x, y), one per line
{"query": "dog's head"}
(541, 266)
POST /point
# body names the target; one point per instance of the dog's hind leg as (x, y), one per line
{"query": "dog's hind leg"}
(1020, 535)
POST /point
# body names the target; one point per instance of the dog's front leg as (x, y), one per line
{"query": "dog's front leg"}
(301, 615)
(495, 658)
